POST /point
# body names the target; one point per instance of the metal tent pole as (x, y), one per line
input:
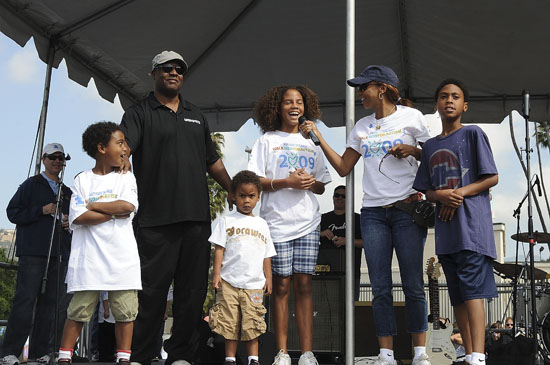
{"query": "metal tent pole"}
(44, 111)
(350, 193)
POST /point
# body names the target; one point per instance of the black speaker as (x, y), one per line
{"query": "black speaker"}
(334, 259)
(366, 342)
(328, 316)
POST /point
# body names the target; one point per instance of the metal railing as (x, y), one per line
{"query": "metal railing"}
(495, 309)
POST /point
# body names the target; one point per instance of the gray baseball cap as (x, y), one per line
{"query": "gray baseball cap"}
(166, 56)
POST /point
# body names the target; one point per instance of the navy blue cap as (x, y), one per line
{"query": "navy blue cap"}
(375, 73)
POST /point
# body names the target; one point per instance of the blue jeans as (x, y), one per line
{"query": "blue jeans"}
(383, 230)
(29, 281)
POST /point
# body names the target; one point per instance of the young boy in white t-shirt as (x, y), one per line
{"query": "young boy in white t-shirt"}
(242, 270)
(104, 255)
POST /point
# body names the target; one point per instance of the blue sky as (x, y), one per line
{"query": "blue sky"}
(73, 107)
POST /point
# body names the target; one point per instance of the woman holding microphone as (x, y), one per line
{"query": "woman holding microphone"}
(388, 141)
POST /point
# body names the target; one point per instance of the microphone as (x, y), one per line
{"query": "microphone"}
(311, 134)
(526, 105)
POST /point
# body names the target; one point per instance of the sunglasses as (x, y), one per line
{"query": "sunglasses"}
(55, 157)
(336, 195)
(168, 69)
(364, 87)
(380, 166)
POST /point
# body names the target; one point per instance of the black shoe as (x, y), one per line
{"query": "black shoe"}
(229, 362)
(123, 362)
(254, 362)
(64, 361)
(77, 358)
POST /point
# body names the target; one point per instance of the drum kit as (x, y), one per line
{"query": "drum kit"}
(521, 275)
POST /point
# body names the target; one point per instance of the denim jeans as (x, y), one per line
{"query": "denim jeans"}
(383, 230)
(29, 281)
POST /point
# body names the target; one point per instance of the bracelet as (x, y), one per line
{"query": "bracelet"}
(272, 187)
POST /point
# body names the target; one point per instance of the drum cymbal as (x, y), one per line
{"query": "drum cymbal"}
(508, 270)
(540, 237)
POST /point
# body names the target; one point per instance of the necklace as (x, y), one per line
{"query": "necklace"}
(381, 119)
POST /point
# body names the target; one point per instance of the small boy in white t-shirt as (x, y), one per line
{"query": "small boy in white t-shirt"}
(242, 270)
(104, 255)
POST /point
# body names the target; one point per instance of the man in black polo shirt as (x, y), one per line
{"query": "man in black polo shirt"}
(172, 151)
(333, 238)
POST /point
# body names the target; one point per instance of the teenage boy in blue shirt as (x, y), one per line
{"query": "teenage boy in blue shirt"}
(456, 171)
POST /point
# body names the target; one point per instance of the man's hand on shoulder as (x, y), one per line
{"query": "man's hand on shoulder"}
(126, 166)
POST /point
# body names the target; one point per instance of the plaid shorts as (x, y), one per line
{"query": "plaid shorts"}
(296, 256)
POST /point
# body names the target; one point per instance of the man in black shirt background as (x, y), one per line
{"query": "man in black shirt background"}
(333, 237)
(171, 151)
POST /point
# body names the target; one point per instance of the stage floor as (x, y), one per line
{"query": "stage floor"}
(358, 361)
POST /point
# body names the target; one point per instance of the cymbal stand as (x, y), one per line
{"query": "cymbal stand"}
(530, 233)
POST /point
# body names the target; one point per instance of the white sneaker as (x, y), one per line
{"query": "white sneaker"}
(307, 358)
(43, 359)
(10, 360)
(423, 359)
(181, 362)
(282, 359)
(380, 360)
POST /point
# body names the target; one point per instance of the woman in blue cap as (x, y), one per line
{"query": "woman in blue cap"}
(388, 141)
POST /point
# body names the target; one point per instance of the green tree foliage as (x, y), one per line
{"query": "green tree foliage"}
(541, 135)
(218, 197)
(7, 287)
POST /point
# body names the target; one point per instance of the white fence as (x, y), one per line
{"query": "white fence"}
(495, 309)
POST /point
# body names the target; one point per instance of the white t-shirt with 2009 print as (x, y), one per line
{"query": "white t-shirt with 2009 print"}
(103, 256)
(247, 243)
(372, 138)
(290, 213)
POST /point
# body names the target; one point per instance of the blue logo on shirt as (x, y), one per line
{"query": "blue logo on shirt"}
(78, 199)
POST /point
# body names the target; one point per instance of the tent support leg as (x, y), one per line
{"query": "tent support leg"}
(350, 190)
(44, 111)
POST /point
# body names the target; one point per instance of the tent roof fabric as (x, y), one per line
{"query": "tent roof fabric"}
(238, 49)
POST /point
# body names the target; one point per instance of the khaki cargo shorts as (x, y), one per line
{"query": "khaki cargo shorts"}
(124, 305)
(238, 311)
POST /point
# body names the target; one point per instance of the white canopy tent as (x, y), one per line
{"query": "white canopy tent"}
(240, 48)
